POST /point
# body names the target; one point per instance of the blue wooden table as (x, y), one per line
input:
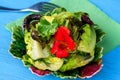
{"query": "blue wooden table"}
(12, 69)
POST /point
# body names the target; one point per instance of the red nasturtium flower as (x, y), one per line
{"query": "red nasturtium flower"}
(63, 43)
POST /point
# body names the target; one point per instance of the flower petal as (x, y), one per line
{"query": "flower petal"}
(64, 29)
(59, 35)
(62, 53)
(61, 32)
(55, 47)
(63, 41)
(70, 42)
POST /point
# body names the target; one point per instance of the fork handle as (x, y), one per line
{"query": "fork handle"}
(17, 10)
(9, 9)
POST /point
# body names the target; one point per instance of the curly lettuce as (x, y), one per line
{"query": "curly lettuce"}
(18, 46)
(88, 39)
(47, 26)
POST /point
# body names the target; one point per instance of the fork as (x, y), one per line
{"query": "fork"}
(38, 7)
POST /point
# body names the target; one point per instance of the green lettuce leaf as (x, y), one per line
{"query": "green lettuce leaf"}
(98, 53)
(27, 60)
(50, 63)
(55, 11)
(88, 39)
(58, 10)
(68, 74)
(34, 48)
(75, 61)
(99, 34)
(63, 18)
(18, 46)
(47, 28)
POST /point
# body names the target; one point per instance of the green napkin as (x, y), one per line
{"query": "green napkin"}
(109, 26)
(112, 29)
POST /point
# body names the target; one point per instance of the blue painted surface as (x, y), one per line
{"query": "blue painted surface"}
(12, 69)
(110, 7)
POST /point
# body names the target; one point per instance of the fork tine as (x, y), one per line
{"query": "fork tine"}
(41, 4)
(46, 9)
(50, 4)
(46, 6)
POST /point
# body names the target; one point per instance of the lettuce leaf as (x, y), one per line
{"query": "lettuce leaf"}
(55, 11)
(88, 39)
(76, 61)
(68, 74)
(47, 28)
(50, 63)
(99, 34)
(58, 10)
(27, 60)
(98, 53)
(63, 18)
(34, 48)
(18, 46)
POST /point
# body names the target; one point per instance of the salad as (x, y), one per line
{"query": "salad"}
(62, 43)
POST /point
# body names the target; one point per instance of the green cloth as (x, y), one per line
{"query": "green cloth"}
(109, 26)
(112, 29)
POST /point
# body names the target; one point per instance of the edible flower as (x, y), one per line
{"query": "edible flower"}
(63, 43)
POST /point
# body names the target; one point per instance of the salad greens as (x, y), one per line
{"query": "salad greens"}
(51, 63)
(75, 61)
(34, 45)
(47, 26)
(27, 60)
(88, 39)
(18, 46)
(34, 48)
